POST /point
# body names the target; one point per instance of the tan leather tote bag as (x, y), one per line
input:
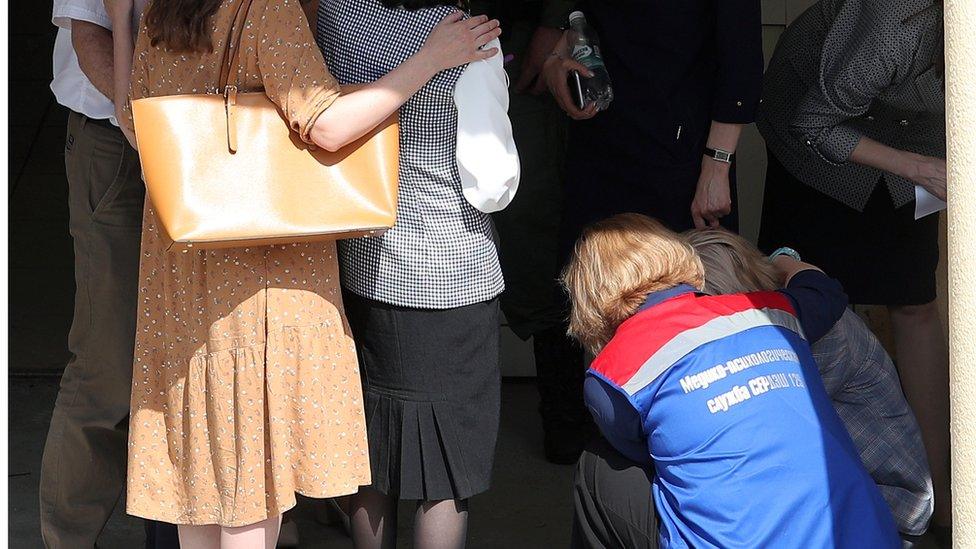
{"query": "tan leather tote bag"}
(227, 171)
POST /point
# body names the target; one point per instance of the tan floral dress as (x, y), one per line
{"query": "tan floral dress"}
(246, 387)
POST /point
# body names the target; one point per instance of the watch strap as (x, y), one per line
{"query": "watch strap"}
(719, 155)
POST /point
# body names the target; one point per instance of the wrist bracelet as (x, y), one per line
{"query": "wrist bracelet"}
(787, 251)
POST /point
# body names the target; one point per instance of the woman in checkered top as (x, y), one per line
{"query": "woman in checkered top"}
(422, 299)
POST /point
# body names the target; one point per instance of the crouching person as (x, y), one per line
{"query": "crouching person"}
(716, 398)
(859, 376)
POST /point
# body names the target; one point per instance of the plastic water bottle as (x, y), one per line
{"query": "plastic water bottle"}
(584, 47)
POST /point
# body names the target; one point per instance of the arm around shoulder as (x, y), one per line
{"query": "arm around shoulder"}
(454, 41)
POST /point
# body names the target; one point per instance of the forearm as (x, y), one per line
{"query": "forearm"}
(93, 45)
(123, 48)
(789, 267)
(725, 136)
(878, 155)
(353, 115)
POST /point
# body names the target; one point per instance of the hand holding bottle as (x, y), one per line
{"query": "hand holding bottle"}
(578, 50)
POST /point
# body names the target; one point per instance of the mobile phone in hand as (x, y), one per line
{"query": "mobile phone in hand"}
(576, 89)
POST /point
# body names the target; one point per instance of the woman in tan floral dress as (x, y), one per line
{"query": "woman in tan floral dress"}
(246, 388)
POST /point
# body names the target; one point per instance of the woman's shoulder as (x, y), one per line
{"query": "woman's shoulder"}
(378, 10)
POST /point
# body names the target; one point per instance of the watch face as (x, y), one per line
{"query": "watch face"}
(723, 156)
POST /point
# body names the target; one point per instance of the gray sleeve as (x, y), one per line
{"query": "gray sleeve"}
(866, 49)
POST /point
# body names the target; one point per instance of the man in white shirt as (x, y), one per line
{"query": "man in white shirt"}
(84, 464)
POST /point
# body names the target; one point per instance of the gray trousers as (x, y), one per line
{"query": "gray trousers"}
(613, 508)
(84, 464)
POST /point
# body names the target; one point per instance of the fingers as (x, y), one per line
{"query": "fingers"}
(714, 217)
(477, 20)
(483, 27)
(560, 91)
(587, 113)
(568, 105)
(487, 36)
(452, 17)
(707, 219)
(484, 54)
(555, 76)
(574, 65)
(709, 216)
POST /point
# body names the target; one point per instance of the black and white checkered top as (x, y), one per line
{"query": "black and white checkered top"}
(441, 253)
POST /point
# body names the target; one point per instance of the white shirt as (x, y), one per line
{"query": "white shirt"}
(70, 86)
(486, 155)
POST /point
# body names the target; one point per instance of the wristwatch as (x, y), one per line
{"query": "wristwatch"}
(787, 251)
(719, 155)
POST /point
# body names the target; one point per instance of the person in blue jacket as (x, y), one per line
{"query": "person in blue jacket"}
(718, 396)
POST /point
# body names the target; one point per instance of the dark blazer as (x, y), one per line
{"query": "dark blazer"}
(678, 64)
(675, 65)
(852, 68)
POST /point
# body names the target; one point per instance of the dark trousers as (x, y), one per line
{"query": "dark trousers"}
(612, 502)
(528, 230)
(84, 464)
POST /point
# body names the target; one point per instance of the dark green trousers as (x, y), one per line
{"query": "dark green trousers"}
(84, 464)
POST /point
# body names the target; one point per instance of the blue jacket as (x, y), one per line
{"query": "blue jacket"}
(722, 396)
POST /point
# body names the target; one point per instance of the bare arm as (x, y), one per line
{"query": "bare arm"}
(120, 11)
(453, 42)
(93, 46)
(927, 171)
(789, 267)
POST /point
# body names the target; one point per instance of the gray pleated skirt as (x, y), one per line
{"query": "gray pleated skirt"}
(431, 382)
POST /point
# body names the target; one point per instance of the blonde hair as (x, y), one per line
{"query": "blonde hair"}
(732, 264)
(616, 263)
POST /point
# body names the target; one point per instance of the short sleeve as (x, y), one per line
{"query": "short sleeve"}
(292, 68)
(92, 11)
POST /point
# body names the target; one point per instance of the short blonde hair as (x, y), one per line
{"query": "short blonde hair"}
(732, 264)
(616, 263)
